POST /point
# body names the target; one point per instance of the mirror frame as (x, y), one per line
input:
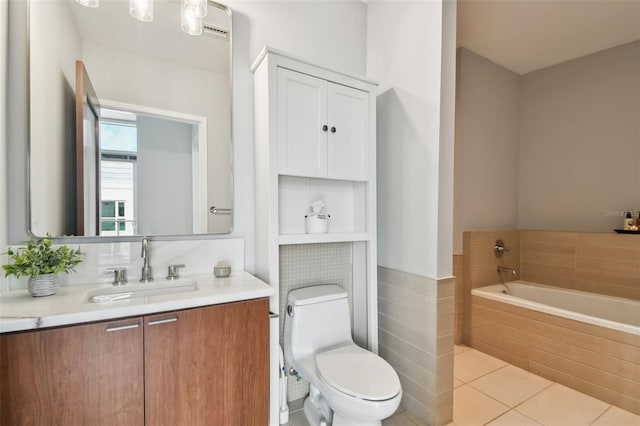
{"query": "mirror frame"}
(74, 239)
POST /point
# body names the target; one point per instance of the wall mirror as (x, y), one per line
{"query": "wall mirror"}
(130, 121)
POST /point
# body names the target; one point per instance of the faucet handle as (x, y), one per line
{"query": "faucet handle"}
(172, 272)
(119, 275)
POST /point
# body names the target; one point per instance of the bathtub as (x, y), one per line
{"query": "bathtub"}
(585, 341)
(604, 311)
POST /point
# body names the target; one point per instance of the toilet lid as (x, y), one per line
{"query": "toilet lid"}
(358, 372)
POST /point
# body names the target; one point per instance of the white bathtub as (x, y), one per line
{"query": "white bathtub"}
(605, 311)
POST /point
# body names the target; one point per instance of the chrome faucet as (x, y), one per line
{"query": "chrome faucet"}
(147, 275)
(503, 269)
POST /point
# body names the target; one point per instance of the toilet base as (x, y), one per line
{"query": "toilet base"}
(316, 409)
(338, 421)
(319, 413)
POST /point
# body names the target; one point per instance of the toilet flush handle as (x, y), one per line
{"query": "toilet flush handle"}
(290, 310)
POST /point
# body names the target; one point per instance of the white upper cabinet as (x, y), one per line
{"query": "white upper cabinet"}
(348, 144)
(302, 121)
(323, 128)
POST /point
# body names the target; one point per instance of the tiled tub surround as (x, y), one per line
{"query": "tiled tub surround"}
(611, 312)
(415, 324)
(480, 263)
(458, 309)
(598, 361)
(603, 263)
(198, 256)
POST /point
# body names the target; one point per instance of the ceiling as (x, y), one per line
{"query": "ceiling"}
(110, 25)
(527, 35)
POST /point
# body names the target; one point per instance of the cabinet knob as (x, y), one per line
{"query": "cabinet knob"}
(325, 128)
(333, 129)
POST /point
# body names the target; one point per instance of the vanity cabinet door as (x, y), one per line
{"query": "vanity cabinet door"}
(80, 375)
(208, 366)
(302, 124)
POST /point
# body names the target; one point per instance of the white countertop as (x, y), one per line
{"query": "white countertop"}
(20, 311)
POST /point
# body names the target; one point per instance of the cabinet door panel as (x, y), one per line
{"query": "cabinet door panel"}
(302, 113)
(80, 375)
(209, 366)
(348, 145)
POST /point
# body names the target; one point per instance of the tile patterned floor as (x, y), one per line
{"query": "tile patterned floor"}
(488, 391)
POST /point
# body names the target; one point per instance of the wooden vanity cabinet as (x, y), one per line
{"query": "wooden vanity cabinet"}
(216, 372)
(202, 366)
(80, 375)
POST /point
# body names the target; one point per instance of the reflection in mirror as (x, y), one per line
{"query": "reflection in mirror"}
(152, 173)
(150, 150)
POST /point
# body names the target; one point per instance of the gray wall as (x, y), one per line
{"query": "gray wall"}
(555, 149)
(486, 151)
(580, 142)
(164, 190)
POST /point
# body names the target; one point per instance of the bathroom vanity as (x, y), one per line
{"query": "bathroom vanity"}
(202, 364)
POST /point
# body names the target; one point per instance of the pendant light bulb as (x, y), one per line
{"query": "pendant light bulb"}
(142, 10)
(198, 7)
(89, 3)
(190, 23)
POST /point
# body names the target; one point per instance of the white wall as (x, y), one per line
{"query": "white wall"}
(333, 33)
(415, 156)
(55, 47)
(4, 239)
(580, 142)
(486, 148)
(164, 195)
(329, 32)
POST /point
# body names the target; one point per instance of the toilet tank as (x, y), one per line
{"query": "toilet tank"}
(316, 317)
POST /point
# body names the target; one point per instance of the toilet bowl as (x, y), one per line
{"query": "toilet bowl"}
(348, 384)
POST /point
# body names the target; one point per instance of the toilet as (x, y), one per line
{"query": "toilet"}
(349, 386)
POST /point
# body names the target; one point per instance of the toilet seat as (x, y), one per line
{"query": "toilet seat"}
(358, 373)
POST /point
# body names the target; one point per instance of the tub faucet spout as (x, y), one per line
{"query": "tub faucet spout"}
(503, 269)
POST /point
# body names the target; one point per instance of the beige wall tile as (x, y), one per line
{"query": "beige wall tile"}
(409, 368)
(423, 341)
(416, 322)
(458, 306)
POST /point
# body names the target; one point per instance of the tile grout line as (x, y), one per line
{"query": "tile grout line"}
(601, 414)
(551, 383)
(483, 375)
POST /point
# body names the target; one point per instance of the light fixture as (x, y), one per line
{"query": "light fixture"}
(199, 7)
(190, 22)
(191, 13)
(142, 10)
(89, 3)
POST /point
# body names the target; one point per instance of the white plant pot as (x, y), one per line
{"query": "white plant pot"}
(43, 285)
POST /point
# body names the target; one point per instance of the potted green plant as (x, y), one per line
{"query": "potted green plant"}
(41, 263)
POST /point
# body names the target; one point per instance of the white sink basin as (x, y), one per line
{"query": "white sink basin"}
(133, 291)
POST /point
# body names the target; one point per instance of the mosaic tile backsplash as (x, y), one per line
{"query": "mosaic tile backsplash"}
(307, 265)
